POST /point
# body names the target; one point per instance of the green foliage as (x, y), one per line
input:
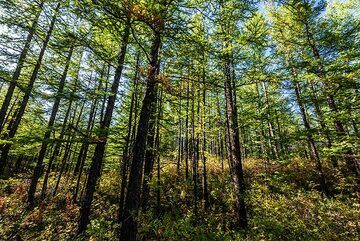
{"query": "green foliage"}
(279, 207)
(263, 50)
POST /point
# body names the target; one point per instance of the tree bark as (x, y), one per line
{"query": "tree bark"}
(310, 139)
(96, 163)
(44, 144)
(132, 204)
(151, 146)
(180, 146)
(194, 157)
(187, 133)
(321, 120)
(205, 185)
(19, 66)
(269, 123)
(234, 147)
(13, 128)
(350, 159)
(126, 153)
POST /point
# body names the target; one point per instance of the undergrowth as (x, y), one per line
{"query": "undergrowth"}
(283, 203)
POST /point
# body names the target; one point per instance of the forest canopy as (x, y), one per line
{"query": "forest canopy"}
(179, 120)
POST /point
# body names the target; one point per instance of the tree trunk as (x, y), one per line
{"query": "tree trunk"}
(13, 128)
(310, 138)
(20, 64)
(350, 160)
(151, 145)
(132, 204)
(187, 133)
(44, 144)
(321, 120)
(63, 164)
(205, 185)
(158, 183)
(269, 123)
(194, 157)
(55, 153)
(90, 124)
(234, 147)
(126, 152)
(179, 154)
(96, 163)
(85, 145)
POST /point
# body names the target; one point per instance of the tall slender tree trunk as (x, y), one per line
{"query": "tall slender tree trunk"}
(82, 155)
(90, 124)
(63, 164)
(81, 159)
(13, 109)
(44, 144)
(19, 66)
(102, 112)
(269, 123)
(220, 135)
(205, 184)
(311, 142)
(187, 133)
(157, 144)
(132, 204)
(158, 183)
(234, 147)
(151, 153)
(180, 146)
(321, 119)
(126, 153)
(136, 108)
(13, 128)
(258, 107)
(56, 150)
(310, 138)
(68, 146)
(96, 163)
(350, 159)
(194, 157)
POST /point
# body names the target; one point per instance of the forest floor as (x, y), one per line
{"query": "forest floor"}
(283, 203)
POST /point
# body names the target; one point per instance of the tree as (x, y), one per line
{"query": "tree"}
(95, 168)
(12, 127)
